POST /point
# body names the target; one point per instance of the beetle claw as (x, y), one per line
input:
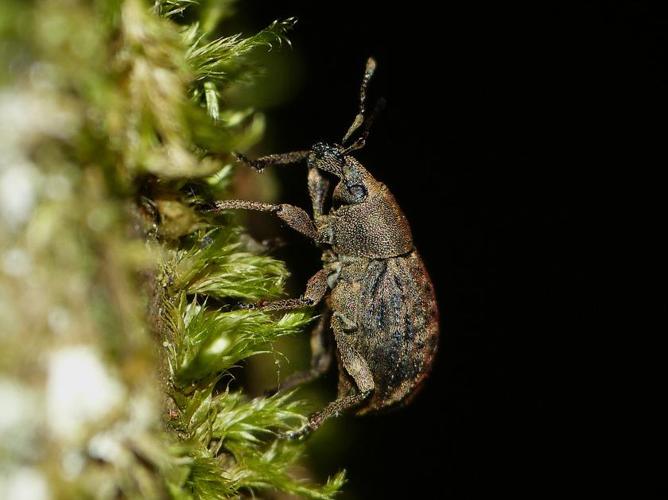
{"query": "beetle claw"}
(297, 435)
(257, 165)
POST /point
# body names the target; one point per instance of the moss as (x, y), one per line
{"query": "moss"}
(118, 294)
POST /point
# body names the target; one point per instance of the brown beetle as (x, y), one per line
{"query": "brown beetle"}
(381, 307)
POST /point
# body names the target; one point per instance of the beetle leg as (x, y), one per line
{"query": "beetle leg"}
(318, 184)
(353, 362)
(357, 368)
(333, 409)
(318, 188)
(259, 164)
(344, 324)
(315, 291)
(321, 357)
(293, 216)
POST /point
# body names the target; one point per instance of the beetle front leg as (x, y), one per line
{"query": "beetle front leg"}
(318, 184)
(293, 216)
(261, 163)
(318, 188)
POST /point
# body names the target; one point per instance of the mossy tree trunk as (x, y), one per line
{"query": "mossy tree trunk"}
(117, 291)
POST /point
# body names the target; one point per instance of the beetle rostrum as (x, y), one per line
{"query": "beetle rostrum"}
(380, 317)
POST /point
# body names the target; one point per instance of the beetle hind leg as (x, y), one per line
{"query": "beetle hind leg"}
(355, 366)
(333, 409)
(321, 357)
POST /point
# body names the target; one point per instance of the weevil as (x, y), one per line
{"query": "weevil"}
(379, 299)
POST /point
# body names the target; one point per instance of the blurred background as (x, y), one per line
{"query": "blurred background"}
(507, 130)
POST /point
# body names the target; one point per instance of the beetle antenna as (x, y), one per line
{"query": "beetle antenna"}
(360, 142)
(359, 119)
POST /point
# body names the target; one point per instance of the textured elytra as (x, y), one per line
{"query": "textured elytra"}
(392, 302)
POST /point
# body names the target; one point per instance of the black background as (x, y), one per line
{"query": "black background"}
(505, 125)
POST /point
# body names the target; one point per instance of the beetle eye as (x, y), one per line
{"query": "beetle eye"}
(358, 192)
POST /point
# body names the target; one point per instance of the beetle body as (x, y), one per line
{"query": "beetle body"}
(379, 284)
(380, 303)
(392, 303)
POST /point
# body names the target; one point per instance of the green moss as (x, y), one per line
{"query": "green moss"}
(118, 295)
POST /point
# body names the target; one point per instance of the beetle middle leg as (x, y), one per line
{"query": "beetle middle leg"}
(261, 163)
(321, 357)
(316, 287)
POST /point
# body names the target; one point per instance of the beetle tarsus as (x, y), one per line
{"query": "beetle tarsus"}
(263, 162)
(254, 164)
(299, 434)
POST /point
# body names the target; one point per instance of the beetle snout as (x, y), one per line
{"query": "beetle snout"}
(318, 150)
(326, 157)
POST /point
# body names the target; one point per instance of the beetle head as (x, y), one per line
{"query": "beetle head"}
(334, 159)
(327, 157)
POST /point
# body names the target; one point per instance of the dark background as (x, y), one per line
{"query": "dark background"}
(505, 130)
